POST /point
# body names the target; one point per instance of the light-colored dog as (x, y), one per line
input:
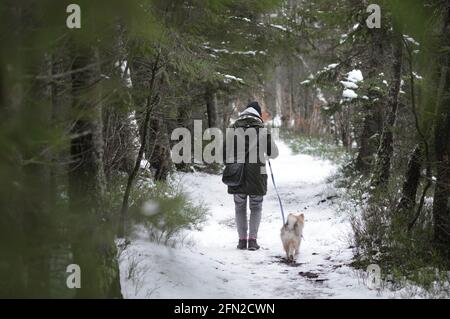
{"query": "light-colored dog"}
(291, 235)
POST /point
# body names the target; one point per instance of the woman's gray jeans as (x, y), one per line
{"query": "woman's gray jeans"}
(240, 202)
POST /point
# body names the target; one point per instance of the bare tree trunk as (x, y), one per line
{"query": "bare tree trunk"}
(365, 151)
(441, 203)
(411, 183)
(133, 175)
(371, 110)
(420, 157)
(385, 150)
(151, 100)
(211, 106)
(93, 246)
(292, 86)
(160, 160)
(143, 84)
(87, 172)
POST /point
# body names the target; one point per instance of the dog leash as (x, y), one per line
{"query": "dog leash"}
(276, 190)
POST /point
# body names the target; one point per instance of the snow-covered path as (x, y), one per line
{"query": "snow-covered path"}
(212, 267)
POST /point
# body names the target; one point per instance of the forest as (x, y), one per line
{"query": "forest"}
(90, 95)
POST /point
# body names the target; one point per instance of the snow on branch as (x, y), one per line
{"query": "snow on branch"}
(227, 51)
(229, 78)
(411, 39)
(280, 27)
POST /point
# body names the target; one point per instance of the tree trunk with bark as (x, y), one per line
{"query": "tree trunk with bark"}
(371, 111)
(159, 159)
(229, 108)
(385, 150)
(211, 106)
(441, 203)
(93, 244)
(140, 76)
(411, 183)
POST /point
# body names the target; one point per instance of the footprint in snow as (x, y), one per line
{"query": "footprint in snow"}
(284, 260)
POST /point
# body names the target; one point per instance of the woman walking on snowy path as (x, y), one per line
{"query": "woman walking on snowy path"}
(247, 178)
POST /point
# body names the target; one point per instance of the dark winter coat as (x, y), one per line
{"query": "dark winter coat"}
(255, 176)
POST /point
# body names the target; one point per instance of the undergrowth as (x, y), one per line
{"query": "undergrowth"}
(380, 233)
(317, 147)
(163, 209)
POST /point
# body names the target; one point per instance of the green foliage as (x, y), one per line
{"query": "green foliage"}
(199, 42)
(165, 211)
(318, 147)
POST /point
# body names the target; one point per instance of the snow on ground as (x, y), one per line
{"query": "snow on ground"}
(211, 266)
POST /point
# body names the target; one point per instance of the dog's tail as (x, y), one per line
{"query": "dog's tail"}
(291, 221)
